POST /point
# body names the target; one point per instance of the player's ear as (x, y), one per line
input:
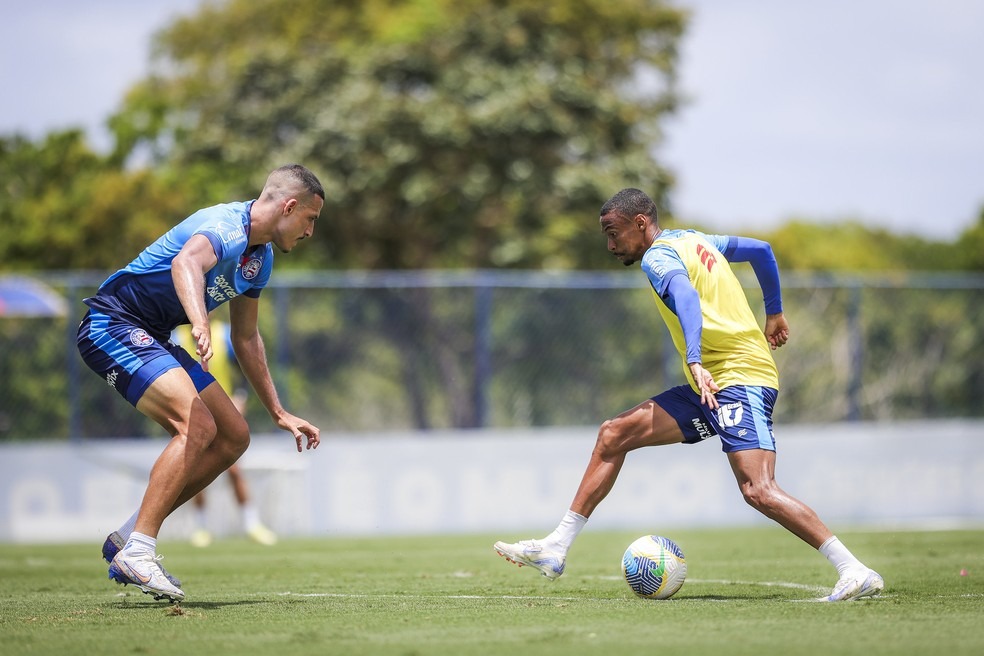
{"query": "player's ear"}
(290, 205)
(640, 221)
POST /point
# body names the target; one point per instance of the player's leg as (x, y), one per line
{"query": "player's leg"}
(131, 360)
(238, 482)
(174, 403)
(172, 400)
(647, 424)
(249, 513)
(744, 422)
(200, 536)
(754, 470)
(231, 438)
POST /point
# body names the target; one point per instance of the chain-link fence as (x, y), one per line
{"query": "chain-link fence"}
(420, 350)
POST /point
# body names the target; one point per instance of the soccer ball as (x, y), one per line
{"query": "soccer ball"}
(654, 567)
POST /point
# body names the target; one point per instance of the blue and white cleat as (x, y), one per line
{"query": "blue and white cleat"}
(857, 584)
(533, 553)
(114, 544)
(146, 573)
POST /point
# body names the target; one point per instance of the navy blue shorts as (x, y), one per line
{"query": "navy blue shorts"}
(743, 419)
(128, 357)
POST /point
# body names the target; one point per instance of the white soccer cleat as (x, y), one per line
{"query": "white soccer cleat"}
(145, 572)
(533, 553)
(857, 584)
(260, 534)
(201, 538)
(114, 544)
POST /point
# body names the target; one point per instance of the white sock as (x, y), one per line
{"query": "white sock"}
(127, 527)
(140, 544)
(839, 556)
(568, 529)
(251, 518)
(201, 518)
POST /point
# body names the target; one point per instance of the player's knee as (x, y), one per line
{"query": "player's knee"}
(759, 496)
(201, 430)
(232, 441)
(610, 438)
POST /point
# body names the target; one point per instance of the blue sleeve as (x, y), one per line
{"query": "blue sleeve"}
(687, 303)
(759, 254)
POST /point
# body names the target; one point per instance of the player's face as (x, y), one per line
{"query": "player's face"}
(297, 222)
(626, 237)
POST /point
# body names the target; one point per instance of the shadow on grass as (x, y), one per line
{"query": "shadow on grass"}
(175, 609)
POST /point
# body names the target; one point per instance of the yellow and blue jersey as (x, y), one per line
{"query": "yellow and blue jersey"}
(732, 345)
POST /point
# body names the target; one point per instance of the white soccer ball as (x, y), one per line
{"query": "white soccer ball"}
(654, 567)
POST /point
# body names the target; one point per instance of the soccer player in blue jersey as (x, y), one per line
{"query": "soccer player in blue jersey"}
(219, 254)
(733, 384)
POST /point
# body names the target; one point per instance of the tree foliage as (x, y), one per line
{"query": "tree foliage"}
(852, 246)
(469, 133)
(70, 208)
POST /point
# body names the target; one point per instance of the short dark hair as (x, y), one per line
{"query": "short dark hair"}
(630, 202)
(304, 176)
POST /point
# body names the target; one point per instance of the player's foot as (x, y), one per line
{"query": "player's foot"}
(535, 554)
(145, 572)
(201, 538)
(856, 584)
(114, 544)
(262, 535)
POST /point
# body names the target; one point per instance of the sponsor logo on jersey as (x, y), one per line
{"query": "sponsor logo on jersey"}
(706, 257)
(251, 268)
(221, 290)
(111, 378)
(139, 337)
(653, 260)
(229, 232)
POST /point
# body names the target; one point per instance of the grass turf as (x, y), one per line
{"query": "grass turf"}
(748, 591)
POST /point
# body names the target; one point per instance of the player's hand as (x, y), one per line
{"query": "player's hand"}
(706, 385)
(300, 429)
(203, 343)
(776, 330)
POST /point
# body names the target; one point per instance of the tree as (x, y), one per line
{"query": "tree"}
(71, 208)
(970, 246)
(851, 246)
(471, 133)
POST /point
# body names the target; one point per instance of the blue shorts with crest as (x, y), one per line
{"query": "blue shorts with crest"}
(743, 419)
(128, 357)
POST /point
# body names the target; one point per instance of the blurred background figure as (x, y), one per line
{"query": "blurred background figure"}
(225, 368)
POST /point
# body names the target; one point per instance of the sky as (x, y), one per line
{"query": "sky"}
(867, 110)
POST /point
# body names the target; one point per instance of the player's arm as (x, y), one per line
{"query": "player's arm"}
(687, 303)
(759, 254)
(188, 270)
(251, 354)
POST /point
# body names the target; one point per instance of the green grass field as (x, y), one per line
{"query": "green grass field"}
(747, 592)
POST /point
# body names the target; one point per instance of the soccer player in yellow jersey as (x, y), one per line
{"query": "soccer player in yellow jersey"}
(733, 383)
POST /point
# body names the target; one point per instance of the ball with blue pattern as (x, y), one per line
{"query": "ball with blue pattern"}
(654, 567)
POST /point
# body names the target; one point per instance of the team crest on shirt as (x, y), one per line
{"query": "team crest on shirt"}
(251, 268)
(139, 337)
